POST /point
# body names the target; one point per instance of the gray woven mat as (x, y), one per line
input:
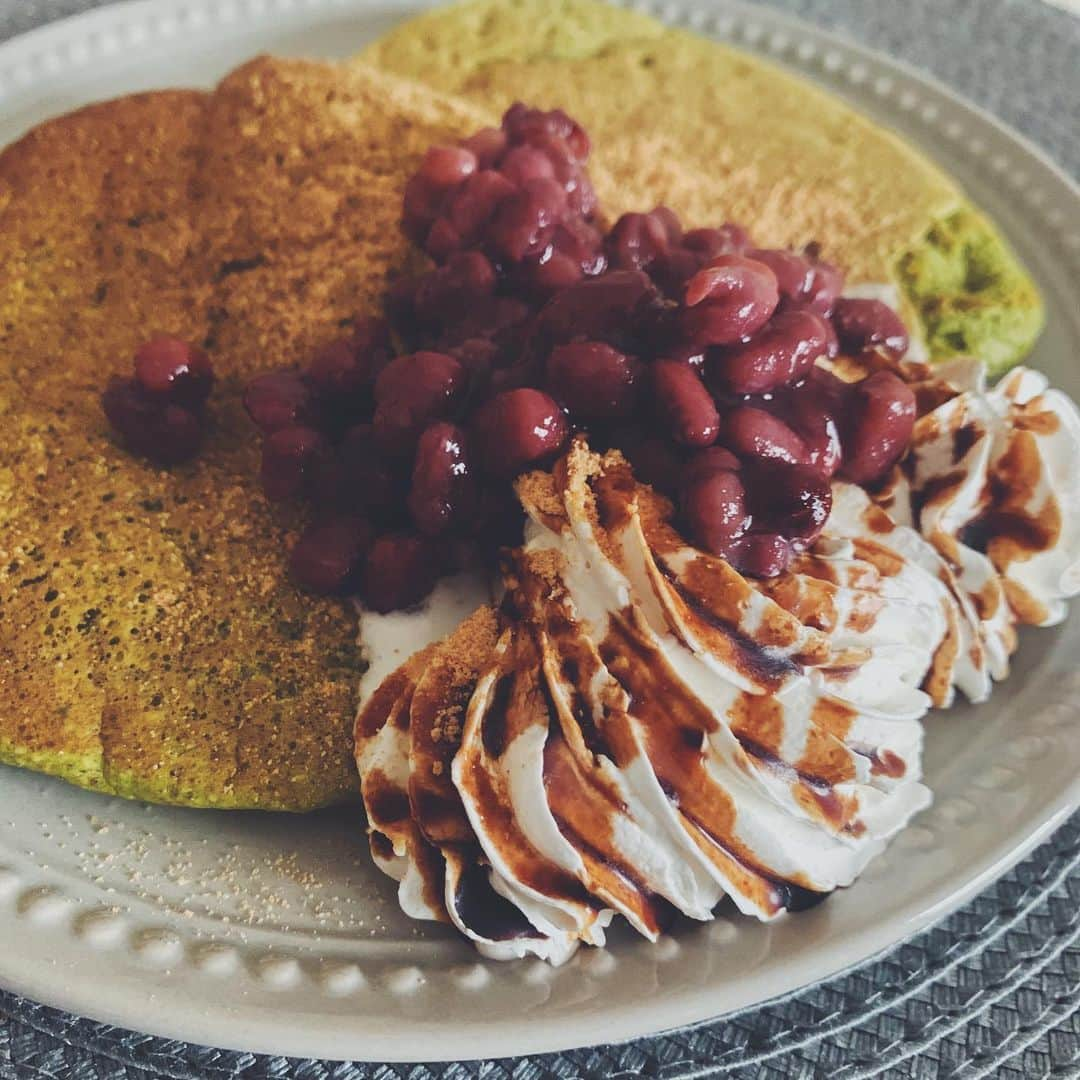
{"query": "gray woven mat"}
(994, 990)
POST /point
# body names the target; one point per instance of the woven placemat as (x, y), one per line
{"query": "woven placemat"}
(993, 990)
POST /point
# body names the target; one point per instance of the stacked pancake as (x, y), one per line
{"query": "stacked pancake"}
(152, 646)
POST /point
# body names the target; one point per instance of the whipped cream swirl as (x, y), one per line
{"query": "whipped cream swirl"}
(638, 730)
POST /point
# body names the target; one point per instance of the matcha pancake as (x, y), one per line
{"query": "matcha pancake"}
(150, 643)
(720, 135)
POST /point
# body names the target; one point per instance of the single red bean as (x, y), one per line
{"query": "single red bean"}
(399, 571)
(488, 144)
(809, 414)
(327, 557)
(476, 202)
(524, 163)
(869, 324)
(280, 399)
(711, 459)
(761, 555)
(685, 406)
(782, 353)
(522, 224)
(517, 429)
(714, 509)
(878, 427)
(823, 289)
(411, 392)
(793, 272)
(729, 239)
(174, 370)
(445, 166)
(290, 457)
(755, 433)
(635, 240)
(795, 500)
(441, 491)
(593, 380)
(729, 299)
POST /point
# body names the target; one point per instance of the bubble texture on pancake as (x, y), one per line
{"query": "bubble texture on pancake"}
(150, 643)
(718, 134)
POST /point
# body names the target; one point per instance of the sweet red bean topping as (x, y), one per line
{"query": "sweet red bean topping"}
(592, 380)
(517, 429)
(869, 324)
(685, 407)
(783, 353)
(728, 300)
(441, 494)
(328, 555)
(698, 355)
(878, 427)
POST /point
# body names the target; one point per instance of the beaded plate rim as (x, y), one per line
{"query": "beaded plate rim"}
(179, 964)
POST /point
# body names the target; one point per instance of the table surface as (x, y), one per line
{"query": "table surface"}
(993, 990)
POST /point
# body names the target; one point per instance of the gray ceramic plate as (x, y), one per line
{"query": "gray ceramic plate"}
(274, 933)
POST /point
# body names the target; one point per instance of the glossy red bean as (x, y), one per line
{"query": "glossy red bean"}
(522, 224)
(823, 290)
(327, 557)
(411, 392)
(635, 240)
(399, 571)
(592, 380)
(685, 407)
(440, 496)
(754, 433)
(280, 399)
(811, 416)
(524, 163)
(476, 202)
(157, 430)
(761, 555)
(869, 324)
(672, 269)
(878, 428)
(446, 166)
(704, 462)
(729, 299)
(488, 144)
(714, 509)
(290, 458)
(793, 271)
(795, 500)
(729, 239)
(174, 370)
(517, 429)
(783, 353)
